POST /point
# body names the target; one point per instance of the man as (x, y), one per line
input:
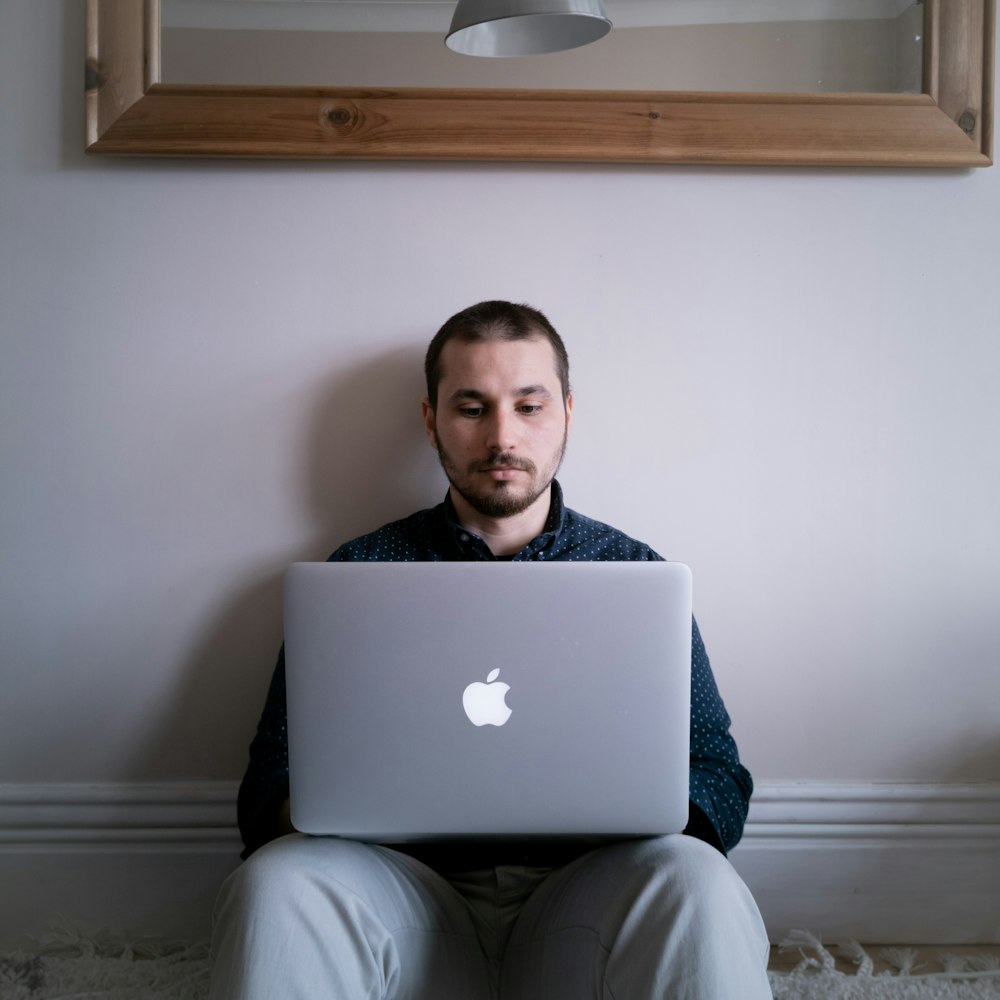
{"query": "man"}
(662, 917)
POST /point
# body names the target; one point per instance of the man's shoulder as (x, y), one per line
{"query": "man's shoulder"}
(409, 539)
(588, 538)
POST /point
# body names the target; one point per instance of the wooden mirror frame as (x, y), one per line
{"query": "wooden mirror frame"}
(950, 124)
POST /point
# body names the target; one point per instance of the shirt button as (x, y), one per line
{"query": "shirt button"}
(463, 537)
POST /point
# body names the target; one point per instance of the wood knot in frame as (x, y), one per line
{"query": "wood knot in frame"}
(94, 77)
(967, 122)
(340, 116)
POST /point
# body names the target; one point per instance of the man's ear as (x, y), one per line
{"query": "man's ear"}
(430, 421)
(569, 410)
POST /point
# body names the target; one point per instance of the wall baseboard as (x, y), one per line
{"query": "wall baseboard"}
(880, 863)
(138, 858)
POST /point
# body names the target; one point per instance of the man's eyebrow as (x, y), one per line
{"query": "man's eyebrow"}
(525, 390)
(459, 394)
(534, 390)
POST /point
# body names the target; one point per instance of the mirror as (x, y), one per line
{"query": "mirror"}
(676, 81)
(756, 46)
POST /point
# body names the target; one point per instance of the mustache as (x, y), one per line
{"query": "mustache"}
(505, 460)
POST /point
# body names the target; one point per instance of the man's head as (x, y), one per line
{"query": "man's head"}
(498, 406)
(494, 320)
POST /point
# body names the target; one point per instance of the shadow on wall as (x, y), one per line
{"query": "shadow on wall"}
(979, 763)
(369, 461)
(365, 461)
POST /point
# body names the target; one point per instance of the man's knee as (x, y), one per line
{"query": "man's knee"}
(690, 861)
(673, 873)
(284, 870)
(684, 857)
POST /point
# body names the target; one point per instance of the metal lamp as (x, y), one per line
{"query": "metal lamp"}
(525, 27)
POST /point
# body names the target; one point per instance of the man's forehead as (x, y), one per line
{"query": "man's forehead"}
(462, 359)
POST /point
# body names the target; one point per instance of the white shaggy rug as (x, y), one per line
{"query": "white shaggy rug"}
(817, 978)
(69, 965)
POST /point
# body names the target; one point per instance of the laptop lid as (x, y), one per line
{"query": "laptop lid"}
(454, 700)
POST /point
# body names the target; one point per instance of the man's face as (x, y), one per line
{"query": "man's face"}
(500, 426)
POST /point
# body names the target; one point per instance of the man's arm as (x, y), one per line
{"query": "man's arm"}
(284, 822)
(720, 786)
(262, 805)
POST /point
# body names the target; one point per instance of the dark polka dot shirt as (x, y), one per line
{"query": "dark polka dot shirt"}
(719, 786)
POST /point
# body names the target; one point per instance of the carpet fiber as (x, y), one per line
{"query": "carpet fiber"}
(70, 965)
(817, 978)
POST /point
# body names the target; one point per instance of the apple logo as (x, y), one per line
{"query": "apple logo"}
(484, 703)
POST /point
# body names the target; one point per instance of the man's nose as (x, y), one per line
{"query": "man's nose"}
(502, 433)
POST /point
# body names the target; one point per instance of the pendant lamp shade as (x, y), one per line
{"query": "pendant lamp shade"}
(525, 27)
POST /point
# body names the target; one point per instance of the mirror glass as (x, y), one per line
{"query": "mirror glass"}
(783, 46)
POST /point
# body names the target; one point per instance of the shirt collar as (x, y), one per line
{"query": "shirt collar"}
(471, 546)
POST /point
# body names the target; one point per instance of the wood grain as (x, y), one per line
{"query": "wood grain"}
(123, 52)
(923, 130)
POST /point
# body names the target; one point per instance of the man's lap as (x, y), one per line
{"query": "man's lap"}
(565, 930)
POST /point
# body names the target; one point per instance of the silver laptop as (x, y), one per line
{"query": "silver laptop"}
(463, 700)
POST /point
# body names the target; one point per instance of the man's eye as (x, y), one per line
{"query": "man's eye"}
(471, 411)
(530, 408)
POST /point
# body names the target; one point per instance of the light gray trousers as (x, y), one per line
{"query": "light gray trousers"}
(323, 918)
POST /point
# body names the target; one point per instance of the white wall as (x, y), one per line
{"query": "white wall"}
(786, 378)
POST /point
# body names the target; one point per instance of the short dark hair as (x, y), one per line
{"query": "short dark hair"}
(494, 320)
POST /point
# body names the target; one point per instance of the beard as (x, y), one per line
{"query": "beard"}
(500, 499)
